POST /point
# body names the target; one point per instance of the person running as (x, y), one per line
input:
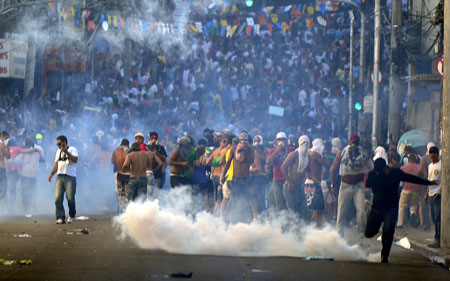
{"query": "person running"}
(384, 182)
(294, 170)
(65, 159)
(243, 157)
(122, 176)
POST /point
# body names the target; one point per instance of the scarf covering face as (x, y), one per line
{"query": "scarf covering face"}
(184, 145)
(318, 146)
(354, 161)
(303, 156)
(336, 145)
(260, 143)
(380, 152)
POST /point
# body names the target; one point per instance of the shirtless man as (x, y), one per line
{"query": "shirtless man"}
(217, 164)
(179, 162)
(259, 179)
(137, 162)
(243, 157)
(294, 171)
(123, 176)
(4, 153)
(151, 171)
(313, 187)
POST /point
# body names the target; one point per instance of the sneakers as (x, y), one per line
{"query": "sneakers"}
(435, 244)
(70, 220)
(59, 221)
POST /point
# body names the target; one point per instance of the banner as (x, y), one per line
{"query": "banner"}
(13, 58)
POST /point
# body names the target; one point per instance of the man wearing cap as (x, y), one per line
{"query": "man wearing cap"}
(352, 163)
(160, 152)
(38, 145)
(139, 138)
(276, 157)
(242, 157)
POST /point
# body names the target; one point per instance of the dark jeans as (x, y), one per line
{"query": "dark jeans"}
(28, 193)
(218, 194)
(3, 183)
(389, 219)
(240, 204)
(178, 181)
(296, 201)
(258, 192)
(160, 181)
(136, 187)
(435, 205)
(68, 185)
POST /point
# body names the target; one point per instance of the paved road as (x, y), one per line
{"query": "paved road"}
(100, 255)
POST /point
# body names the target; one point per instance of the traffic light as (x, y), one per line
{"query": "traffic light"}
(252, 5)
(358, 106)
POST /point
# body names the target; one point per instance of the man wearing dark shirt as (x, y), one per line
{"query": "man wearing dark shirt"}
(154, 146)
(384, 182)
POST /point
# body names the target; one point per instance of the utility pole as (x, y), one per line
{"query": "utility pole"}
(350, 78)
(376, 70)
(445, 184)
(395, 84)
(362, 57)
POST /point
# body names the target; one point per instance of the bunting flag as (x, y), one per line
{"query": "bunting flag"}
(222, 31)
(284, 26)
(91, 25)
(262, 20)
(257, 29)
(229, 31)
(223, 22)
(109, 20)
(249, 30)
(274, 18)
(122, 23)
(269, 28)
(233, 29)
(88, 13)
(237, 22)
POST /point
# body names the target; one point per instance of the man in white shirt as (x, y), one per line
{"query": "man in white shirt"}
(65, 160)
(434, 194)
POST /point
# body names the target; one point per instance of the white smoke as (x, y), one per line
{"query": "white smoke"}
(171, 227)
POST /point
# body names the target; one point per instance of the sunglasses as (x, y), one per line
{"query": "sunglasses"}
(58, 144)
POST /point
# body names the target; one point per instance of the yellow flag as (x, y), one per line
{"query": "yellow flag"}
(310, 10)
(285, 26)
(193, 28)
(115, 21)
(223, 22)
(274, 18)
(233, 30)
(109, 20)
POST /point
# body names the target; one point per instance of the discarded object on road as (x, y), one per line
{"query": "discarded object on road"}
(82, 218)
(28, 215)
(318, 259)
(84, 231)
(181, 275)
(23, 235)
(76, 230)
(24, 262)
(404, 242)
(260, 271)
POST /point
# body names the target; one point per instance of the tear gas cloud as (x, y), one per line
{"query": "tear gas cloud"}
(173, 227)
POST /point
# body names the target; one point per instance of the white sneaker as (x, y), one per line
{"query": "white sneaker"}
(70, 220)
(59, 221)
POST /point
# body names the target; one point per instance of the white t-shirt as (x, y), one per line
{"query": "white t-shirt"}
(434, 174)
(65, 166)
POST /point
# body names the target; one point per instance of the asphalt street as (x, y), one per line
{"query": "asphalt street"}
(58, 252)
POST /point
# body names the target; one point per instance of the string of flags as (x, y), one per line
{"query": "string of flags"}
(269, 18)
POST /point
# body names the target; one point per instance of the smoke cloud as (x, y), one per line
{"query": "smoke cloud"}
(171, 227)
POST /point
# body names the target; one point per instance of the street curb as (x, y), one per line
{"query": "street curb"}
(426, 251)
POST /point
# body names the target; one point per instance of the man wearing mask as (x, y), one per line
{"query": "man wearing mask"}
(352, 163)
(122, 176)
(160, 152)
(294, 170)
(384, 182)
(179, 162)
(276, 157)
(65, 159)
(243, 157)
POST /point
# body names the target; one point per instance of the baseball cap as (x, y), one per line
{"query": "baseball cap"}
(433, 149)
(139, 135)
(38, 136)
(281, 135)
(243, 136)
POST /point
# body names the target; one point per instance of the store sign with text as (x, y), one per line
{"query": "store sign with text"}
(13, 58)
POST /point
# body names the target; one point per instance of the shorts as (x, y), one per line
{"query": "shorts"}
(226, 190)
(207, 188)
(314, 196)
(122, 181)
(218, 193)
(176, 181)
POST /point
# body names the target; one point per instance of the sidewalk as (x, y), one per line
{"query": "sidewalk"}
(419, 239)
